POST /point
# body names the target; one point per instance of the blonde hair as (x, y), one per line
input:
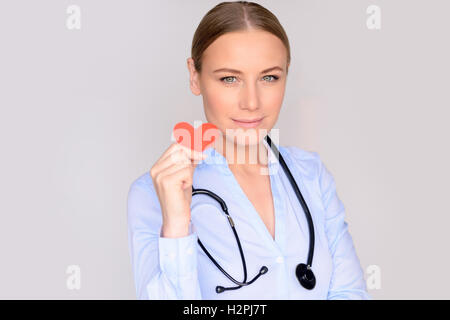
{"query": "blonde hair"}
(234, 16)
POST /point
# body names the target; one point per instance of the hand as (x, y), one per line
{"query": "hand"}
(172, 176)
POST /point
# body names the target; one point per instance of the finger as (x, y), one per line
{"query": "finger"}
(176, 175)
(174, 154)
(183, 154)
(174, 168)
(168, 151)
(160, 169)
(192, 154)
(177, 156)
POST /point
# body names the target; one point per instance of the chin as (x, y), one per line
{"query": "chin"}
(246, 137)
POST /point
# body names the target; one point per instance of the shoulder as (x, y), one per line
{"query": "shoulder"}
(142, 193)
(312, 166)
(144, 182)
(143, 207)
(308, 162)
(300, 154)
(313, 169)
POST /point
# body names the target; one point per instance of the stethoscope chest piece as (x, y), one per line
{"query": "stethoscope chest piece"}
(303, 271)
(305, 276)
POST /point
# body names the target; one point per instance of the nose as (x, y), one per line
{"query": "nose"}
(249, 97)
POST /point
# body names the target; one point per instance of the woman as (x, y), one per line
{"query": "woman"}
(239, 64)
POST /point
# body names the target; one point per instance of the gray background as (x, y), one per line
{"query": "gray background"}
(85, 112)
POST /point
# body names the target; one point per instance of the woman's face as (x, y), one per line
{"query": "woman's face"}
(243, 77)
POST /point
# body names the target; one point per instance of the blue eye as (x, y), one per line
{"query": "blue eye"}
(275, 78)
(221, 79)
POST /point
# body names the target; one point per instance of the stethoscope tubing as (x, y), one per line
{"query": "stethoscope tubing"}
(301, 268)
(230, 221)
(300, 199)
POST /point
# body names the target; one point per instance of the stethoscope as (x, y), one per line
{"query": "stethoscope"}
(303, 271)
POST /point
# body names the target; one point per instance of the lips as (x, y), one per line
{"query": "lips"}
(248, 123)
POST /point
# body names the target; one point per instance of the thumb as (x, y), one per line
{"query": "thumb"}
(195, 162)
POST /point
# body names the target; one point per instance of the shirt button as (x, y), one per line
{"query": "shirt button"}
(172, 255)
(189, 251)
(280, 259)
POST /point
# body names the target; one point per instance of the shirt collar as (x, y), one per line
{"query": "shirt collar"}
(217, 160)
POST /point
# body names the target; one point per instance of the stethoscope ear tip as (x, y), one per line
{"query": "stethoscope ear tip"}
(263, 270)
(220, 289)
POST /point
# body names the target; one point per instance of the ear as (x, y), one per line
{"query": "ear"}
(194, 78)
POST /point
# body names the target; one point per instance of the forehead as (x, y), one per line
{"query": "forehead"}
(245, 50)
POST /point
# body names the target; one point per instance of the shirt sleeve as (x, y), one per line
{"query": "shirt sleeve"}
(347, 281)
(163, 268)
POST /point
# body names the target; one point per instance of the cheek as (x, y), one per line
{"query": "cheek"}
(275, 98)
(225, 98)
(218, 101)
(272, 101)
(276, 94)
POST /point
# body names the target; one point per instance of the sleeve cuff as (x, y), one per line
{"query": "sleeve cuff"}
(178, 256)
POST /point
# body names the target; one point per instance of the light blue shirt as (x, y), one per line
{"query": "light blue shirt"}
(178, 268)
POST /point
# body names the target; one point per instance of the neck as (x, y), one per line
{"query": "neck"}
(247, 159)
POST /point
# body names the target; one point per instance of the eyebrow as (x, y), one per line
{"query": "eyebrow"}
(240, 72)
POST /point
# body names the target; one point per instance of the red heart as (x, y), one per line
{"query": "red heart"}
(196, 139)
